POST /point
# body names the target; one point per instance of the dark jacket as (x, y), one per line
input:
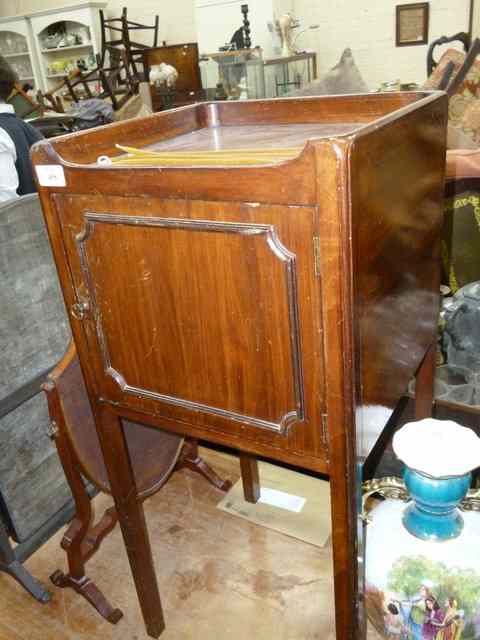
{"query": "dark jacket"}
(23, 136)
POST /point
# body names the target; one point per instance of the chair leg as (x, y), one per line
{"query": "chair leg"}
(81, 540)
(250, 477)
(190, 459)
(92, 594)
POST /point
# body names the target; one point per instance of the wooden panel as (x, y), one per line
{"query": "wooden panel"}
(342, 385)
(397, 196)
(199, 308)
(347, 108)
(211, 304)
(184, 57)
(253, 136)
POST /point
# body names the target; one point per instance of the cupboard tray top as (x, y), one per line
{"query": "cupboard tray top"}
(279, 135)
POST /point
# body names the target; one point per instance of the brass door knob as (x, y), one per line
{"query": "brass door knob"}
(79, 310)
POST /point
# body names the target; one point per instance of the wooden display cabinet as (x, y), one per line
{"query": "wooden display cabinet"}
(16, 46)
(278, 308)
(79, 37)
(23, 41)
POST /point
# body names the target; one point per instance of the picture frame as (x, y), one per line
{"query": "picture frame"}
(412, 24)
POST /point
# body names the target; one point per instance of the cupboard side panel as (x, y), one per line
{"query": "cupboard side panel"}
(341, 385)
(397, 177)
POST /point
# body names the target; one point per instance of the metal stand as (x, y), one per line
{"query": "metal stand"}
(12, 558)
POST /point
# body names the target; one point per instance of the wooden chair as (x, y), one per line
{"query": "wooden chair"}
(23, 104)
(135, 49)
(462, 37)
(451, 70)
(54, 97)
(155, 455)
(111, 80)
(121, 28)
(114, 25)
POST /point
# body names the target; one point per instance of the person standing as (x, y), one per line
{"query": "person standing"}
(16, 138)
(433, 619)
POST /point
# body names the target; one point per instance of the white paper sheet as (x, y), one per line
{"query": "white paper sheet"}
(281, 499)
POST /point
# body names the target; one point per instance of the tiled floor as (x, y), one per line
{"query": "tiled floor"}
(220, 577)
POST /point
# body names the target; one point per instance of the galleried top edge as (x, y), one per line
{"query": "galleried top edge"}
(226, 134)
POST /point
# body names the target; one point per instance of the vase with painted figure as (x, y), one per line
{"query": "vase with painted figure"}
(422, 565)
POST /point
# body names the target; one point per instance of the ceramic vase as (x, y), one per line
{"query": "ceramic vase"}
(422, 566)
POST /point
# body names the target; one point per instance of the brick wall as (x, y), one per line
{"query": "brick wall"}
(368, 28)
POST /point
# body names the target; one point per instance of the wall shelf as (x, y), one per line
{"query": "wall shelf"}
(69, 48)
(15, 55)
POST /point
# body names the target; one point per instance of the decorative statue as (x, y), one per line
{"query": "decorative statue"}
(284, 26)
(163, 75)
(246, 26)
(461, 336)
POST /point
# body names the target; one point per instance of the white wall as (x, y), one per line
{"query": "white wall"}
(476, 20)
(368, 28)
(8, 8)
(177, 20)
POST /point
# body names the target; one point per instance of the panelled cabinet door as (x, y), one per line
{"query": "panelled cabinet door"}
(199, 311)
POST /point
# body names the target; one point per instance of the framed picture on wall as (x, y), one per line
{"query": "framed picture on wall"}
(412, 24)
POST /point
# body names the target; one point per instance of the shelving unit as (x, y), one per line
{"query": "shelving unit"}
(40, 65)
(68, 48)
(14, 34)
(75, 34)
(16, 55)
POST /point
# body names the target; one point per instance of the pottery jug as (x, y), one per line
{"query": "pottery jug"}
(422, 565)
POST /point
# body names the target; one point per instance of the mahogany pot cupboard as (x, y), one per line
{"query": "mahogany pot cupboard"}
(264, 276)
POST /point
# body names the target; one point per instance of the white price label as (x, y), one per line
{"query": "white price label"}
(281, 499)
(51, 175)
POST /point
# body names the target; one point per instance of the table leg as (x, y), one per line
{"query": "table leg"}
(314, 63)
(132, 520)
(250, 477)
(424, 383)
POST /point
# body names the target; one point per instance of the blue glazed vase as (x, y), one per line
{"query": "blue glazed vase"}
(422, 566)
(434, 515)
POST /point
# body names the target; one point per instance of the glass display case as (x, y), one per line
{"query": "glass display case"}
(284, 74)
(240, 73)
(245, 74)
